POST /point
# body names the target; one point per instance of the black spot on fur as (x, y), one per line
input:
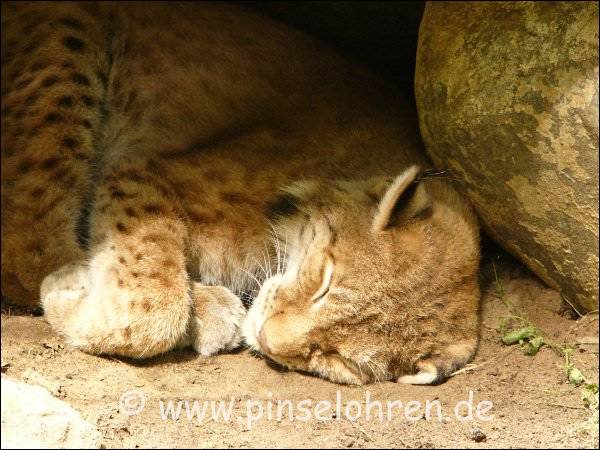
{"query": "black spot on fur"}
(37, 66)
(74, 44)
(81, 79)
(23, 83)
(35, 248)
(65, 101)
(130, 212)
(121, 227)
(38, 192)
(50, 163)
(153, 209)
(71, 23)
(30, 99)
(24, 166)
(50, 81)
(52, 118)
(103, 78)
(70, 142)
(16, 74)
(118, 194)
(87, 100)
(283, 206)
(60, 174)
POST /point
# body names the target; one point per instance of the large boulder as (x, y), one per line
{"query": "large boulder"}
(507, 96)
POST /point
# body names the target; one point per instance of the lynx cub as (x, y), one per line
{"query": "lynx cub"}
(161, 160)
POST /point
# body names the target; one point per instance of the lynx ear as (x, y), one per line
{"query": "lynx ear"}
(403, 200)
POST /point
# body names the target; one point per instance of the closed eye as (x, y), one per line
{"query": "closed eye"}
(324, 289)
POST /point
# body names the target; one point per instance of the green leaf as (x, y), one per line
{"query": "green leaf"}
(589, 395)
(575, 376)
(518, 335)
(532, 347)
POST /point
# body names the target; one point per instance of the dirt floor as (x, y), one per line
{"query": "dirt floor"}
(532, 403)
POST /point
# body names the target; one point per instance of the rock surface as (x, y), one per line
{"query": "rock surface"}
(32, 418)
(507, 94)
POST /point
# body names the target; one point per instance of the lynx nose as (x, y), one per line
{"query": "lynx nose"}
(262, 340)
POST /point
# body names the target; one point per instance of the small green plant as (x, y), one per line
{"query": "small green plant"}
(515, 328)
(574, 375)
(589, 395)
(527, 336)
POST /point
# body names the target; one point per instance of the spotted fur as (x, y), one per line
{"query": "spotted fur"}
(145, 147)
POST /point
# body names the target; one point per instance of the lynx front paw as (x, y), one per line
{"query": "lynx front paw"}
(215, 325)
(62, 290)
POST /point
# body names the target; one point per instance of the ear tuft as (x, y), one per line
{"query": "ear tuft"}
(405, 199)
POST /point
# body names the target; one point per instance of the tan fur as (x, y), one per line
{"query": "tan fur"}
(143, 146)
(403, 293)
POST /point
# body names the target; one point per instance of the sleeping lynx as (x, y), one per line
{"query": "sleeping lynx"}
(161, 160)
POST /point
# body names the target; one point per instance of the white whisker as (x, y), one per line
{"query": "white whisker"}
(267, 258)
(277, 246)
(252, 276)
(264, 271)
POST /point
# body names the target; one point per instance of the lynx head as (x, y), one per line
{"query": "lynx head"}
(380, 280)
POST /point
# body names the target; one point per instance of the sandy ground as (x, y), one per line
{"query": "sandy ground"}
(532, 404)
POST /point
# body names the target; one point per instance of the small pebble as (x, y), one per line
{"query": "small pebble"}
(478, 435)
